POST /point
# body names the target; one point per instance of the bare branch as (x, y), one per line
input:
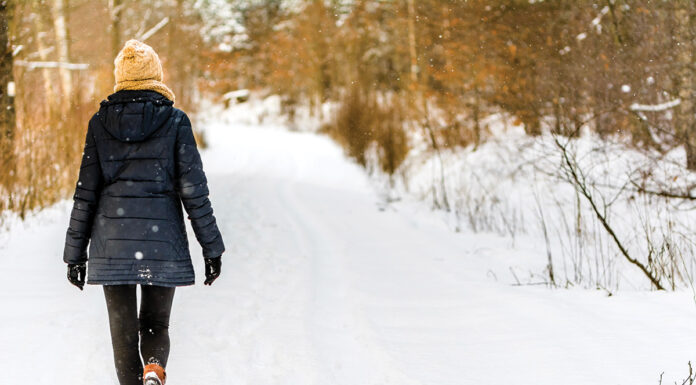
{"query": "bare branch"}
(579, 181)
(655, 107)
(154, 29)
(51, 64)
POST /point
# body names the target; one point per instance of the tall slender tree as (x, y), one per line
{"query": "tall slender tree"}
(7, 110)
(115, 8)
(60, 11)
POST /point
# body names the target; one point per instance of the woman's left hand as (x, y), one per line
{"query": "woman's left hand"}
(76, 274)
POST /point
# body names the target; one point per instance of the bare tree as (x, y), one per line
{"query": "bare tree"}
(7, 111)
(685, 79)
(174, 61)
(60, 12)
(115, 8)
(576, 177)
(43, 51)
(412, 40)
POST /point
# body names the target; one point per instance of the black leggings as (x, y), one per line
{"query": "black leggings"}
(152, 326)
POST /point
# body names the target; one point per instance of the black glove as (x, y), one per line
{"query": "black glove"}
(76, 274)
(212, 269)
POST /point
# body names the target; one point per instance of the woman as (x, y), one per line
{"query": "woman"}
(140, 161)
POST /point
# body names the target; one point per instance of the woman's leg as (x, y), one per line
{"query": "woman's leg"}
(155, 307)
(121, 303)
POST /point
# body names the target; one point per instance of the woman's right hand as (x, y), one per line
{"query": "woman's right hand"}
(212, 269)
(76, 274)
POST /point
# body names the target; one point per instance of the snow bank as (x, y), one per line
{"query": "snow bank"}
(516, 186)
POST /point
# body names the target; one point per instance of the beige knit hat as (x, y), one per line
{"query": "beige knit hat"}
(137, 67)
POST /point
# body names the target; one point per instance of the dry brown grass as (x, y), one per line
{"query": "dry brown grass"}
(41, 161)
(362, 122)
(391, 138)
(353, 125)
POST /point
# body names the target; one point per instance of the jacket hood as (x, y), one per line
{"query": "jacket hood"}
(133, 116)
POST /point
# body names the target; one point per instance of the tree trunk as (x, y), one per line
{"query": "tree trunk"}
(476, 114)
(39, 25)
(531, 122)
(686, 80)
(63, 47)
(412, 40)
(7, 110)
(174, 74)
(690, 147)
(116, 6)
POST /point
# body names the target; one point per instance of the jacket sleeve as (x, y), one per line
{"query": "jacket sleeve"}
(86, 199)
(192, 187)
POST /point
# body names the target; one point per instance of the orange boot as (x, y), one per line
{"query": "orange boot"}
(154, 374)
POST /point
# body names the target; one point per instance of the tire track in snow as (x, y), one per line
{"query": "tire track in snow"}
(340, 333)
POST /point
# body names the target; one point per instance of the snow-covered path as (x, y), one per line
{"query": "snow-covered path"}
(322, 285)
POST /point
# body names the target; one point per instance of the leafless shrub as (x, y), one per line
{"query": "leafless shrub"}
(363, 121)
(352, 128)
(689, 380)
(600, 207)
(391, 138)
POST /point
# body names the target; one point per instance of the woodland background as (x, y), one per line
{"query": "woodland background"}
(396, 74)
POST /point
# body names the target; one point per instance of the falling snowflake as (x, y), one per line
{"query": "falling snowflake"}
(145, 273)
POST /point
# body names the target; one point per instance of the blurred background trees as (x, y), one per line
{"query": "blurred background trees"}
(433, 69)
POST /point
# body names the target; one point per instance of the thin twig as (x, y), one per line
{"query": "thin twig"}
(154, 29)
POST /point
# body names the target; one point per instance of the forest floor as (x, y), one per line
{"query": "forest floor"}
(324, 283)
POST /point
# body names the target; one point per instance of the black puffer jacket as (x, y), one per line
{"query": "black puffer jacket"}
(140, 162)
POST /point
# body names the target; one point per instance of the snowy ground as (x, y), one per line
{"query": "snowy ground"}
(322, 284)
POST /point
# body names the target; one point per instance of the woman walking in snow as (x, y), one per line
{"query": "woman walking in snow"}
(140, 162)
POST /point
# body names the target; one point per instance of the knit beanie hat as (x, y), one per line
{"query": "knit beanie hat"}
(137, 67)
